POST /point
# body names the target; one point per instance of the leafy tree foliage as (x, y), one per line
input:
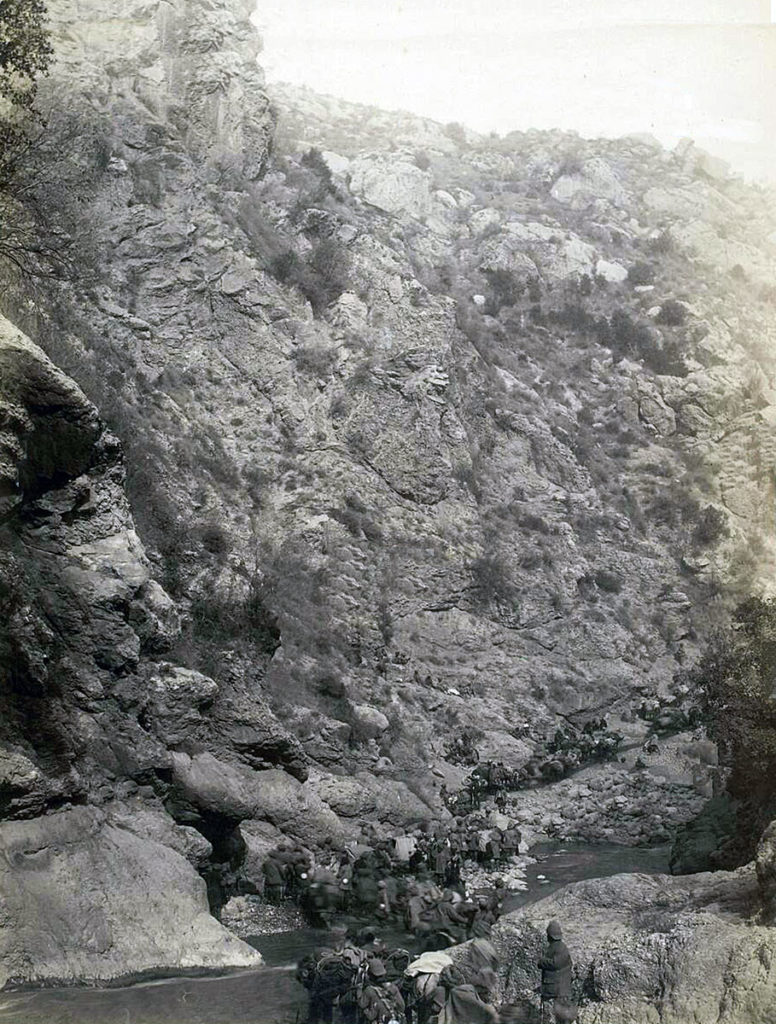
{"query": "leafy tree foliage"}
(46, 229)
(736, 685)
(25, 55)
(49, 166)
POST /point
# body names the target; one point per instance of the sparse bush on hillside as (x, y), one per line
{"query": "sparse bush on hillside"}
(629, 337)
(321, 278)
(329, 268)
(491, 581)
(674, 506)
(215, 540)
(456, 131)
(662, 244)
(314, 160)
(641, 273)
(464, 473)
(570, 164)
(245, 617)
(317, 360)
(608, 581)
(505, 290)
(529, 521)
(711, 527)
(672, 313)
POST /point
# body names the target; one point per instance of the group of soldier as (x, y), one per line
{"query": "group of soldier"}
(414, 880)
(357, 979)
(565, 752)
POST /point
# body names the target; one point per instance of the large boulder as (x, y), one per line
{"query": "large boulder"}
(364, 797)
(594, 180)
(149, 821)
(84, 899)
(233, 793)
(649, 948)
(392, 185)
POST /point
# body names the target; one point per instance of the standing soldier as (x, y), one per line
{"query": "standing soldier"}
(555, 966)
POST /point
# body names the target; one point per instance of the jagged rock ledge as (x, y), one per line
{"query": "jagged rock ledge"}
(652, 948)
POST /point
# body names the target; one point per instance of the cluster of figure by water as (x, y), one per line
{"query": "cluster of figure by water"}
(414, 880)
(566, 752)
(667, 714)
(357, 979)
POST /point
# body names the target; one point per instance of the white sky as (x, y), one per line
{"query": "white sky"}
(703, 68)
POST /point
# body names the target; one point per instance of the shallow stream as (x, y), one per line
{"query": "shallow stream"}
(271, 995)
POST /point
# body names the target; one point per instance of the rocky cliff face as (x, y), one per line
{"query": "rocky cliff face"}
(100, 882)
(651, 948)
(189, 64)
(425, 434)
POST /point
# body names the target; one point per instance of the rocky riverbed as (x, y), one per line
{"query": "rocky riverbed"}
(368, 434)
(638, 799)
(270, 995)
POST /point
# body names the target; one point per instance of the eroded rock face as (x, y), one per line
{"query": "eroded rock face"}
(191, 62)
(236, 793)
(649, 948)
(84, 899)
(394, 186)
(49, 430)
(101, 891)
(72, 569)
(441, 510)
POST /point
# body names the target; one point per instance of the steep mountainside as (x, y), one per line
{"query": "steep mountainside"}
(424, 433)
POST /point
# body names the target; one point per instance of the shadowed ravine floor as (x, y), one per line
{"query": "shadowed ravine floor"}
(271, 995)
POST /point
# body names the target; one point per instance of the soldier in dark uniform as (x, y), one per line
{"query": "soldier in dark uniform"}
(555, 966)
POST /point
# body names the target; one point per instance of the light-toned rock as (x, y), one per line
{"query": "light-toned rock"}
(505, 254)
(385, 801)
(596, 180)
(654, 410)
(177, 698)
(651, 948)
(336, 163)
(481, 220)
(236, 793)
(444, 198)
(392, 185)
(610, 271)
(369, 720)
(86, 900)
(151, 822)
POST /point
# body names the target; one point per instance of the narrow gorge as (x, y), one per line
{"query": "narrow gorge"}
(346, 450)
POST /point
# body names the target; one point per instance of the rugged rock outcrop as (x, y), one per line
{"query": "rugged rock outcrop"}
(650, 948)
(191, 63)
(423, 433)
(436, 455)
(86, 717)
(87, 900)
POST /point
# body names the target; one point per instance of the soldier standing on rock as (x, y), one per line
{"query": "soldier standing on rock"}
(555, 965)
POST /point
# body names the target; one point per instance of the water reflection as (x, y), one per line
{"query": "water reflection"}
(271, 995)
